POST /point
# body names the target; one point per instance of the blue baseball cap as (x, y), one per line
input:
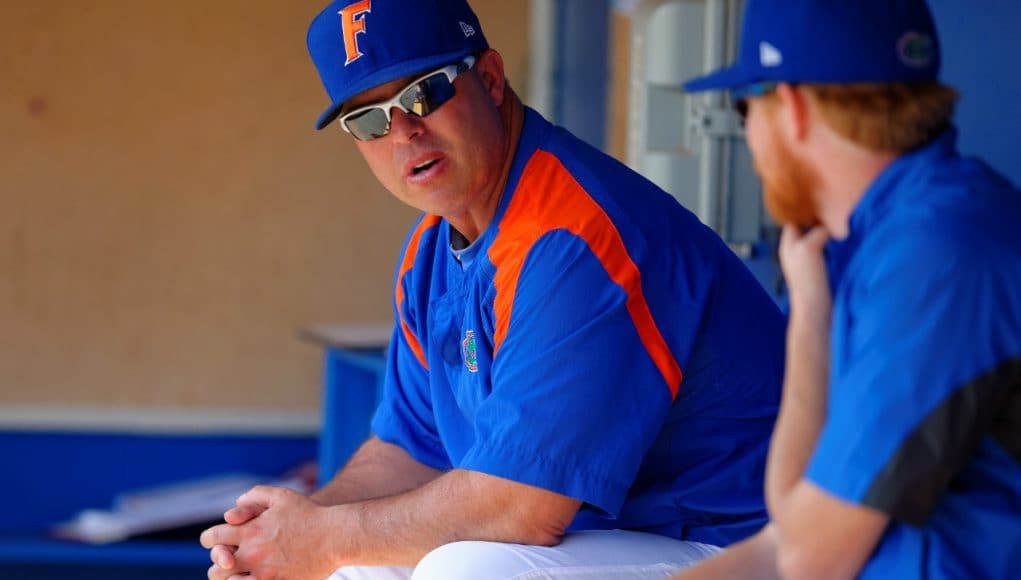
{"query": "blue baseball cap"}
(360, 44)
(831, 42)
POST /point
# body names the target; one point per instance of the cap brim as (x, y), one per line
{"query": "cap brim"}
(389, 74)
(724, 79)
(326, 118)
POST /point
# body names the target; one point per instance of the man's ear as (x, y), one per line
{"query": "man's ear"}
(489, 67)
(795, 112)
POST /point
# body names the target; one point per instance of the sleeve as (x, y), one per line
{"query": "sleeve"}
(577, 399)
(914, 376)
(404, 416)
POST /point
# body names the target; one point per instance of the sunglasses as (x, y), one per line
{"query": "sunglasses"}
(740, 97)
(423, 96)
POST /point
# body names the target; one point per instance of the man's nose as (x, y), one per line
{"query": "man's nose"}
(405, 126)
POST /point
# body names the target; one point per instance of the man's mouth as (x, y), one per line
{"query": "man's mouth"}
(423, 166)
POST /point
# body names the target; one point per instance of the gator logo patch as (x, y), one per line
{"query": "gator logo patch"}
(471, 359)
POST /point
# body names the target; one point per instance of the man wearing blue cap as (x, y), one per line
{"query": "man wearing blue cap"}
(897, 452)
(582, 380)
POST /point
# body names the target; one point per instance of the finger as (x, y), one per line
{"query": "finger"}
(223, 556)
(789, 237)
(260, 496)
(791, 233)
(217, 573)
(239, 515)
(221, 534)
(816, 237)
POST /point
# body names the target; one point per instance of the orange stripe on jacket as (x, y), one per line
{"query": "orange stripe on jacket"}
(549, 198)
(406, 263)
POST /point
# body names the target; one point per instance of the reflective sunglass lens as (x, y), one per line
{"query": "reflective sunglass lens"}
(416, 99)
(427, 95)
(369, 125)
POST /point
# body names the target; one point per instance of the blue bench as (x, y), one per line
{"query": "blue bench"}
(50, 476)
(354, 361)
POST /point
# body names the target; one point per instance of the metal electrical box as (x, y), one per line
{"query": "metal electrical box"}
(692, 145)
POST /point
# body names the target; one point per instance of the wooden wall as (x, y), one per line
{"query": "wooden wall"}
(168, 215)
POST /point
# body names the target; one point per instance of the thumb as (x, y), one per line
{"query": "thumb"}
(222, 556)
(239, 515)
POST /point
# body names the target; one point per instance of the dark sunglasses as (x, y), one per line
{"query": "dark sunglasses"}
(740, 97)
(421, 97)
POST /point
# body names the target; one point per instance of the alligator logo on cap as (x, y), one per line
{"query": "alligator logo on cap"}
(916, 49)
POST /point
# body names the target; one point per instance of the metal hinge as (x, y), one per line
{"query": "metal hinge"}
(715, 122)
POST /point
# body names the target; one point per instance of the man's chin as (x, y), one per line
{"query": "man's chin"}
(790, 212)
(802, 223)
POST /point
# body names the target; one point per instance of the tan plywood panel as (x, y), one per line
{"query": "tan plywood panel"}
(620, 73)
(168, 216)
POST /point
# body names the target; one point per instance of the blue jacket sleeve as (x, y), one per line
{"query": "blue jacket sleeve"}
(405, 416)
(915, 330)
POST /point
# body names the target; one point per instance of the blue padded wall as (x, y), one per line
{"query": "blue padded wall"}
(982, 59)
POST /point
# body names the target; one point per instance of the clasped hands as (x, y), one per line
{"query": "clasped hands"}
(272, 534)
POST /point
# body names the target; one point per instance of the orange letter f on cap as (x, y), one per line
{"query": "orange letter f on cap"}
(352, 26)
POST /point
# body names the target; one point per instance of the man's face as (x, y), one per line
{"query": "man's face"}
(788, 182)
(445, 162)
